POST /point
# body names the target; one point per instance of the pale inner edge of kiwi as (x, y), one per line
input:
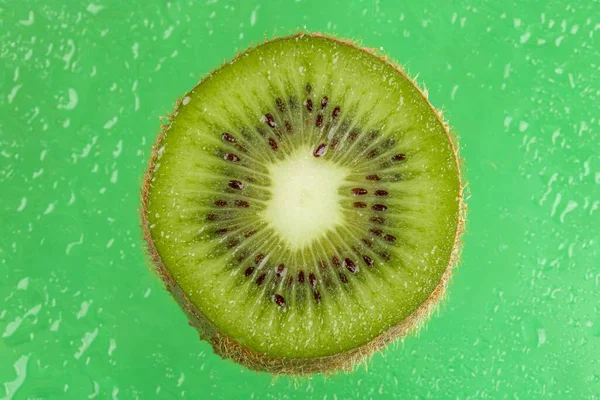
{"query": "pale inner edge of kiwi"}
(303, 220)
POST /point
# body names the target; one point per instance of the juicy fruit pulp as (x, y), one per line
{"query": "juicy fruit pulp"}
(304, 201)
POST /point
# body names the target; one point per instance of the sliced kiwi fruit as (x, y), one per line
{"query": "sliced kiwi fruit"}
(304, 205)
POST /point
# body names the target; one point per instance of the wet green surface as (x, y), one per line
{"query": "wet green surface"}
(81, 89)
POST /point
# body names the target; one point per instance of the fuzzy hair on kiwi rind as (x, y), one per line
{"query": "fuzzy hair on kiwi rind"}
(227, 347)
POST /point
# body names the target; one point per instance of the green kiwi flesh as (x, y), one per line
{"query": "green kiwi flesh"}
(304, 205)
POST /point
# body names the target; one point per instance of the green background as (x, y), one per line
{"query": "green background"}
(81, 88)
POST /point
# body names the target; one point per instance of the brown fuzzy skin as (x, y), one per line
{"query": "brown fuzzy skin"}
(226, 347)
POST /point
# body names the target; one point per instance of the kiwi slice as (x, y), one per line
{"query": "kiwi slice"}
(304, 205)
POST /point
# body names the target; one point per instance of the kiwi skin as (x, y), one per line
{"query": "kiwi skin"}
(346, 361)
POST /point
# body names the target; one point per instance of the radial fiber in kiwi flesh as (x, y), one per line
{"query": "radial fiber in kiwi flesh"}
(304, 205)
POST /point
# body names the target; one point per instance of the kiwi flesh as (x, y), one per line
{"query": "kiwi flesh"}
(304, 205)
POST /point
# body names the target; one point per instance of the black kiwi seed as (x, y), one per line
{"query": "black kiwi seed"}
(228, 137)
(343, 278)
(231, 157)
(250, 233)
(242, 204)
(373, 177)
(359, 191)
(279, 300)
(335, 261)
(236, 185)
(317, 295)
(249, 271)
(220, 203)
(280, 270)
(324, 101)
(399, 157)
(261, 279)
(390, 238)
(377, 220)
(211, 217)
(259, 258)
(376, 231)
(336, 112)
(368, 260)
(273, 144)
(309, 105)
(368, 242)
(270, 120)
(381, 192)
(301, 276)
(320, 150)
(319, 121)
(222, 231)
(379, 207)
(359, 204)
(350, 265)
(312, 279)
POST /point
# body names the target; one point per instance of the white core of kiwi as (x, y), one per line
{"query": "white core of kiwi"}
(305, 200)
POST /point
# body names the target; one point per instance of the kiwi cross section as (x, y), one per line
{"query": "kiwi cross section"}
(305, 198)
